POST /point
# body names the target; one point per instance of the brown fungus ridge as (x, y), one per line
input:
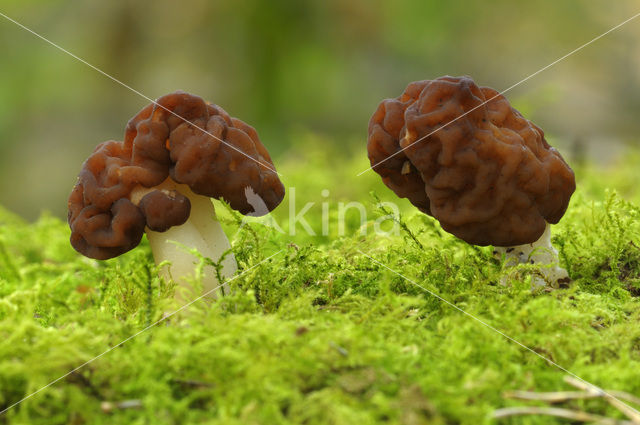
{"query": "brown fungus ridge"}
(166, 139)
(490, 177)
(164, 209)
(383, 146)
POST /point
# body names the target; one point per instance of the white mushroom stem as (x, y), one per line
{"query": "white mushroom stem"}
(539, 252)
(201, 231)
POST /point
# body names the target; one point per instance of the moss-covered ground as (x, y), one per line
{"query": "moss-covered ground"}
(320, 333)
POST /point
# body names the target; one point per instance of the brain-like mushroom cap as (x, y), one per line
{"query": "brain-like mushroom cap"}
(489, 177)
(166, 139)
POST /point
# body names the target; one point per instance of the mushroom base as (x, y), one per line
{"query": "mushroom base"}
(202, 231)
(540, 252)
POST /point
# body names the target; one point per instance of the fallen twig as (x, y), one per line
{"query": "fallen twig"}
(574, 415)
(587, 391)
(629, 411)
(561, 396)
(550, 397)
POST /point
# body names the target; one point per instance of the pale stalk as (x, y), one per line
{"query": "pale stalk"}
(540, 252)
(202, 231)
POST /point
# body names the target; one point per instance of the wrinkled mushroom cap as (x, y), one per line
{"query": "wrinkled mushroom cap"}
(489, 177)
(158, 144)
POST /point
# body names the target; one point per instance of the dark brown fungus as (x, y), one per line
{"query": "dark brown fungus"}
(177, 153)
(470, 160)
(463, 155)
(165, 140)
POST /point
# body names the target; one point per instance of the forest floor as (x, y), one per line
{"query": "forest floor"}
(340, 328)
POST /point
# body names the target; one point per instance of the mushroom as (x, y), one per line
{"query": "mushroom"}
(178, 152)
(463, 155)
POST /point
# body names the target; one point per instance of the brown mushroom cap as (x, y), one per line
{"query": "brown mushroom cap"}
(489, 177)
(159, 144)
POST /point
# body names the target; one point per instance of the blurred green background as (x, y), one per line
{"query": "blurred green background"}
(290, 66)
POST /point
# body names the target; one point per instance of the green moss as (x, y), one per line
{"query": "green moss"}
(320, 334)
